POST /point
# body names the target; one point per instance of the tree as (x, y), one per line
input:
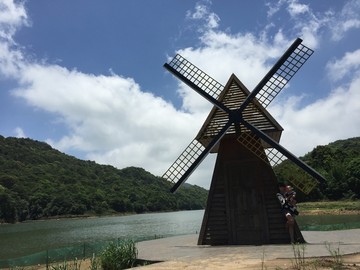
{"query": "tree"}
(7, 206)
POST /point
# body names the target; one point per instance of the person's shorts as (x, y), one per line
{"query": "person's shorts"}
(287, 213)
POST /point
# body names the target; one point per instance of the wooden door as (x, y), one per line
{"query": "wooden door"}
(246, 203)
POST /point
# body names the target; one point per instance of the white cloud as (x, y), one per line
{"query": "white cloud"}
(10, 60)
(295, 8)
(222, 54)
(332, 118)
(273, 7)
(108, 117)
(337, 69)
(12, 16)
(311, 25)
(19, 133)
(305, 23)
(346, 20)
(202, 13)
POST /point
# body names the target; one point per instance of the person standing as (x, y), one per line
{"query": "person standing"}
(288, 209)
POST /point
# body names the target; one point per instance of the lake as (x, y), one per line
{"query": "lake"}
(26, 238)
(33, 236)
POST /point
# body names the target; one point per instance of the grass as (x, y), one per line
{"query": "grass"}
(119, 255)
(75, 265)
(335, 254)
(300, 262)
(299, 256)
(330, 206)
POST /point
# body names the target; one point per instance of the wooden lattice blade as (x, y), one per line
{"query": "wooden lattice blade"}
(299, 178)
(271, 156)
(278, 76)
(294, 174)
(190, 158)
(184, 161)
(283, 74)
(195, 76)
(284, 151)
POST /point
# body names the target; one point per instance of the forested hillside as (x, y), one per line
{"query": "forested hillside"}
(339, 163)
(37, 181)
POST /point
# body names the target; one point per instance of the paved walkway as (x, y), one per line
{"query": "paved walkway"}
(181, 252)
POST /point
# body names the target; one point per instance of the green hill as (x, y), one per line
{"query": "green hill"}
(37, 181)
(339, 163)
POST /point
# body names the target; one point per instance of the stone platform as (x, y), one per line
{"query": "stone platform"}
(181, 252)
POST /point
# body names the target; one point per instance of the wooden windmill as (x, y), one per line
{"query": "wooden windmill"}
(242, 207)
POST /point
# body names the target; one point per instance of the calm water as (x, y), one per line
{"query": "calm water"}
(30, 237)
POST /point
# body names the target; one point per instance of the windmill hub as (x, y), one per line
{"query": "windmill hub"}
(235, 116)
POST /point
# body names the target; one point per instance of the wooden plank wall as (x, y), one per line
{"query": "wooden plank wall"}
(242, 207)
(214, 229)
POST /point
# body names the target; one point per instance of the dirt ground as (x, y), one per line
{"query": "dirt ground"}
(351, 261)
(217, 263)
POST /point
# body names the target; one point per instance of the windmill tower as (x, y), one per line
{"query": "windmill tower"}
(242, 207)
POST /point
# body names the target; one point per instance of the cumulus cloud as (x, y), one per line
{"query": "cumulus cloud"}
(311, 25)
(19, 133)
(346, 20)
(12, 16)
(296, 8)
(350, 63)
(203, 13)
(109, 117)
(325, 120)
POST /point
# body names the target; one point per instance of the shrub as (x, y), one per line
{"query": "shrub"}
(119, 255)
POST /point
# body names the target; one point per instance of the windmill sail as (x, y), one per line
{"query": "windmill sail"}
(283, 74)
(184, 161)
(286, 153)
(189, 159)
(196, 76)
(271, 156)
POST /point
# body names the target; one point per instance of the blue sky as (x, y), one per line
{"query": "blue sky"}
(87, 76)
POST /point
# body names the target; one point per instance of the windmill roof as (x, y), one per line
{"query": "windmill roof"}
(232, 97)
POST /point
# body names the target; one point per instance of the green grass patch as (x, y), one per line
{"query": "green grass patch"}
(335, 206)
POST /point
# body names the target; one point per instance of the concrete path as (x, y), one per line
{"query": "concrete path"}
(181, 252)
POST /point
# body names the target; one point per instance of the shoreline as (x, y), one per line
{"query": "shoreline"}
(84, 216)
(307, 212)
(319, 212)
(88, 216)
